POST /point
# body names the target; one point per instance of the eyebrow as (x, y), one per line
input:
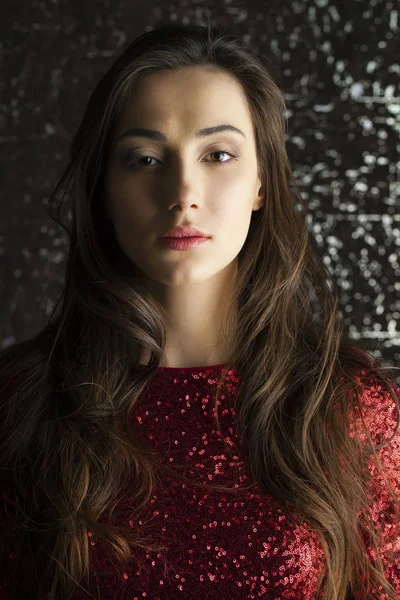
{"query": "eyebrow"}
(158, 136)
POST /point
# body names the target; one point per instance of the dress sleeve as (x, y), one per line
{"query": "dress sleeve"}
(380, 414)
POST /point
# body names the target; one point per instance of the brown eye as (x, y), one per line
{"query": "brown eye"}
(132, 160)
(222, 152)
(138, 161)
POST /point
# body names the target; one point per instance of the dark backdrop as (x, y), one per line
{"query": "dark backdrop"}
(336, 65)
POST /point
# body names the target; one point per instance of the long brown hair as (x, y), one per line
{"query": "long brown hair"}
(66, 394)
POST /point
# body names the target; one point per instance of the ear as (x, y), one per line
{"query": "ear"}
(260, 198)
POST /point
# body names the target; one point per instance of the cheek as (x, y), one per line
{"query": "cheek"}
(235, 212)
(129, 212)
(234, 204)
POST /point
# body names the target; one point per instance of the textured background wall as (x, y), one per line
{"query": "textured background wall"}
(336, 65)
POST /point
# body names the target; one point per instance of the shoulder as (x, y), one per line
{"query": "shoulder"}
(378, 409)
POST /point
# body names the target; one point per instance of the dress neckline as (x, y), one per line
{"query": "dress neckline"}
(202, 368)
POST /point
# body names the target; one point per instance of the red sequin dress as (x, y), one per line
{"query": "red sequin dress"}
(220, 545)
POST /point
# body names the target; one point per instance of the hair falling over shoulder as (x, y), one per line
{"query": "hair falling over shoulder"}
(67, 393)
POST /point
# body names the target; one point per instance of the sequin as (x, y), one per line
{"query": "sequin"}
(220, 545)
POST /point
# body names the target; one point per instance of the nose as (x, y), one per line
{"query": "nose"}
(184, 189)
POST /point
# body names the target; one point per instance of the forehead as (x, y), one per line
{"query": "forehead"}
(184, 100)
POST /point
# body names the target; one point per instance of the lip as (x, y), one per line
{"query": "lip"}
(183, 243)
(181, 231)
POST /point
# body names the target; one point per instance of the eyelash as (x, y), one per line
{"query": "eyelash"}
(137, 157)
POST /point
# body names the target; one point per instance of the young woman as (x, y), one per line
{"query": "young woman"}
(193, 422)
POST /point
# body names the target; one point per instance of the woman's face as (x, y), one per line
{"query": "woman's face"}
(208, 181)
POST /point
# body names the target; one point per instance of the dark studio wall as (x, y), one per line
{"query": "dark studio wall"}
(334, 61)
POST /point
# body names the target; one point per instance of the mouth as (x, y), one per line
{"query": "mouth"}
(183, 243)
